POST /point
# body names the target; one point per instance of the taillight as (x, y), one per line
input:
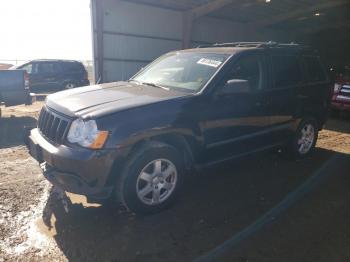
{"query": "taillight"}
(86, 77)
(26, 80)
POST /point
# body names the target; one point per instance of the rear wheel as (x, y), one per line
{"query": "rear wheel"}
(152, 179)
(305, 138)
(70, 85)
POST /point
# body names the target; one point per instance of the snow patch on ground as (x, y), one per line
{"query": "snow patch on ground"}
(26, 235)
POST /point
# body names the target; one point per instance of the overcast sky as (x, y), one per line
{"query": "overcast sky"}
(31, 29)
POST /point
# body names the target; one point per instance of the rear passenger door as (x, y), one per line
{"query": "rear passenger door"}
(315, 96)
(285, 78)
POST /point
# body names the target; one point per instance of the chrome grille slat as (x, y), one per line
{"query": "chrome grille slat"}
(62, 131)
(53, 126)
(48, 125)
(43, 119)
(40, 118)
(57, 135)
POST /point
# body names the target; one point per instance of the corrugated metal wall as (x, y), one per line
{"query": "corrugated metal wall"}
(134, 34)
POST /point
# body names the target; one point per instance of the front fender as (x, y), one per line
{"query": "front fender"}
(131, 126)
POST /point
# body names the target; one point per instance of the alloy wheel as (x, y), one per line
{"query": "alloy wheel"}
(70, 86)
(306, 140)
(156, 182)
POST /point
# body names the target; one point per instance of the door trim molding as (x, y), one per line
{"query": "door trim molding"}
(248, 136)
(215, 162)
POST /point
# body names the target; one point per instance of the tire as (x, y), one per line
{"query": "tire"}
(69, 85)
(152, 179)
(304, 140)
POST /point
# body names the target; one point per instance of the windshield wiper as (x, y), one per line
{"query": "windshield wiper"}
(155, 85)
(148, 84)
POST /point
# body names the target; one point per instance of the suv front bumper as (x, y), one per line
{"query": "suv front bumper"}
(76, 170)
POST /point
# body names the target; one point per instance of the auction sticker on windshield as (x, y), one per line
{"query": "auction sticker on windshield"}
(209, 62)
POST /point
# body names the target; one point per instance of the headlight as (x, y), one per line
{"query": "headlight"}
(86, 134)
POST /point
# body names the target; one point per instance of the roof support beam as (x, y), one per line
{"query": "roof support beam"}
(99, 45)
(209, 7)
(310, 30)
(187, 26)
(189, 16)
(296, 13)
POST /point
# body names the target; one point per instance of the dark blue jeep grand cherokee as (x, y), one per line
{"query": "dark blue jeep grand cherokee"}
(134, 141)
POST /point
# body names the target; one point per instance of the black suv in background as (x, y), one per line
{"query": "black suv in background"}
(136, 141)
(55, 74)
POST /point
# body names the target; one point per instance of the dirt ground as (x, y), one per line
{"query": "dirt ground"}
(38, 223)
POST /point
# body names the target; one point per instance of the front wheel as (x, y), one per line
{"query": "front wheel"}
(305, 138)
(152, 179)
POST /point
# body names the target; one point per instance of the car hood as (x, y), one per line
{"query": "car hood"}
(99, 100)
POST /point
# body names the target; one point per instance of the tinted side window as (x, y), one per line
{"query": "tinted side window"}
(48, 67)
(35, 69)
(248, 68)
(286, 71)
(73, 67)
(315, 72)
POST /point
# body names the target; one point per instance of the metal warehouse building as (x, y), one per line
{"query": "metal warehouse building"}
(127, 35)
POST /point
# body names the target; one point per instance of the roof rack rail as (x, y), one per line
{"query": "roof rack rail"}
(233, 44)
(252, 44)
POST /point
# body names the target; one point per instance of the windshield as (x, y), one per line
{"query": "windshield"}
(186, 71)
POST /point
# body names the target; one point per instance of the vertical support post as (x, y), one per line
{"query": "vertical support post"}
(99, 44)
(187, 26)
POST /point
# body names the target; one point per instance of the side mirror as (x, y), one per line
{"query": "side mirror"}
(235, 86)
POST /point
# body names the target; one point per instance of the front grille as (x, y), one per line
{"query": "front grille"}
(52, 126)
(345, 91)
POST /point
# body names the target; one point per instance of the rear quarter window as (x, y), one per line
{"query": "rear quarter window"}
(314, 69)
(73, 67)
(286, 70)
(48, 67)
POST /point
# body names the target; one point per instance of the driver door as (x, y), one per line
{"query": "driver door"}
(238, 123)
